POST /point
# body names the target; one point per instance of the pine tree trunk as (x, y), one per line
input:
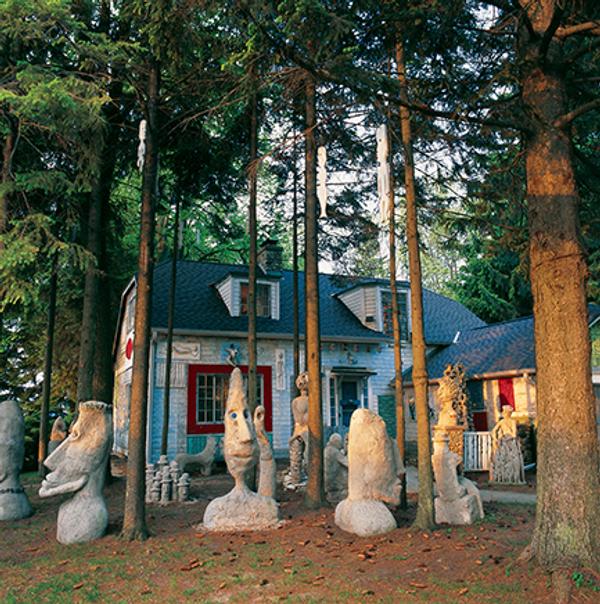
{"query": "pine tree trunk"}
(296, 297)
(253, 234)
(398, 394)
(567, 530)
(164, 442)
(314, 487)
(134, 522)
(8, 150)
(425, 517)
(47, 388)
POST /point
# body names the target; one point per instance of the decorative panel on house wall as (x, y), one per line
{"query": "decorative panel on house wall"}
(181, 349)
(178, 374)
(280, 372)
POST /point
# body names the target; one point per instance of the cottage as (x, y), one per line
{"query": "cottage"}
(499, 363)
(210, 333)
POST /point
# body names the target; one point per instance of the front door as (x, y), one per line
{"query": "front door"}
(349, 399)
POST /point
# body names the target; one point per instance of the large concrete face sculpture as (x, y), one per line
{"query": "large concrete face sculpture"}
(14, 504)
(78, 466)
(372, 478)
(240, 509)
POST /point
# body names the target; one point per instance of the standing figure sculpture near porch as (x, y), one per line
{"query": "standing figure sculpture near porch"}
(298, 442)
(14, 504)
(78, 465)
(241, 509)
(372, 478)
(507, 460)
(336, 470)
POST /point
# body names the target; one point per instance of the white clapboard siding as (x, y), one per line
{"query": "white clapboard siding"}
(477, 451)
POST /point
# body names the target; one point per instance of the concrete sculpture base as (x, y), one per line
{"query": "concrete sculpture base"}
(14, 504)
(460, 511)
(81, 519)
(364, 517)
(241, 510)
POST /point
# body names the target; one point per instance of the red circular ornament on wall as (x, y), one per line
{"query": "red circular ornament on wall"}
(129, 349)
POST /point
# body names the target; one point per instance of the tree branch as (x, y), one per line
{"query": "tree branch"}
(567, 118)
(559, 11)
(589, 27)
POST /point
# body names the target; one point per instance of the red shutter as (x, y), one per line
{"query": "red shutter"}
(507, 392)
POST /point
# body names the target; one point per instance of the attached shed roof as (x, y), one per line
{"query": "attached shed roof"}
(199, 307)
(491, 349)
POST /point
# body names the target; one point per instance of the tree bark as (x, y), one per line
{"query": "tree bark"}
(134, 522)
(314, 488)
(47, 387)
(164, 442)
(295, 283)
(567, 530)
(8, 151)
(398, 393)
(425, 516)
(252, 170)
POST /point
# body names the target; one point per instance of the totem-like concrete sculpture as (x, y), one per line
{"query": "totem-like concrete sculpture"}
(372, 478)
(299, 440)
(57, 434)
(336, 470)
(78, 466)
(240, 509)
(507, 459)
(458, 500)
(203, 460)
(14, 504)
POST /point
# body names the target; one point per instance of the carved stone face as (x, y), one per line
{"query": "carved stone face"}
(507, 411)
(335, 440)
(302, 382)
(82, 454)
(12, 447)
(239, 443)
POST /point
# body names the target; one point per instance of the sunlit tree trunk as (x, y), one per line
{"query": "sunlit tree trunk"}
(164, 441)
(567, 529)
(296, 297)
(425, 515)
(253, 234)
(134, 522)
(314, 488)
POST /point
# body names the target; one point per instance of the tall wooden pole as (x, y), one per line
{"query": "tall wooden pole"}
(425, 514)
(296, 308)
(44, 428)
(314, 487)
(134, 522)
(252, 171)
(398, 393)
(164, 443)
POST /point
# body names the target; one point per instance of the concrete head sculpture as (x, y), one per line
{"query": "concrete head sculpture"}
(239, 443)
(372, 477)
(14, 504)
(58, 434)
(78, 466)
(241, 509)
(302, 383)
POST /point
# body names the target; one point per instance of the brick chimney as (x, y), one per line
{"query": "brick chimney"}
(270, 256)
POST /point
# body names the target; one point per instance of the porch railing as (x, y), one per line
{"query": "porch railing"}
(477, 451)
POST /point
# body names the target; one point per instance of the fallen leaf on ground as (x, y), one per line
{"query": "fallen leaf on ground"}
(78, 585)
(463, 591)
(417, 585)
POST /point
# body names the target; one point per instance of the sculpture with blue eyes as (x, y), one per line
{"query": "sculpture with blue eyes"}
(241, 508)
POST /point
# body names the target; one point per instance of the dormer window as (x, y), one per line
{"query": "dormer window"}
(263, 299)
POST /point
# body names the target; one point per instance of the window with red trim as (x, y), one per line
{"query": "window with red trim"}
(208, 386)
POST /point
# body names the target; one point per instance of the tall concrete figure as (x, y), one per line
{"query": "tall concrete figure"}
(14, 504)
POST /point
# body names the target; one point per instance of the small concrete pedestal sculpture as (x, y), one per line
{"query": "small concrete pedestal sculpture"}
(241, 509)
(372, 478)
(507, 460)
(58, 434)
(336, 470)
(298, 442)
(78, 466)
(458, 500)
(165, 483)
(203, 460)
(14, 504)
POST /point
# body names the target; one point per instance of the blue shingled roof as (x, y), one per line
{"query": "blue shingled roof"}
(500, 347)
(199, 306)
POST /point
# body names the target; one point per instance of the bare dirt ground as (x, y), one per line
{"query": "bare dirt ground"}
(307, 560)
